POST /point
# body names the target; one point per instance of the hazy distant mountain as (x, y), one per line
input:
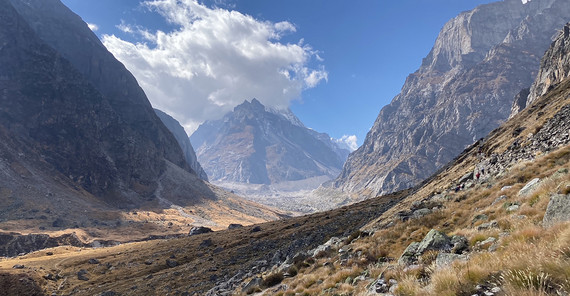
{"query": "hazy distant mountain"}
(258, 145)
(463, 90)
(178, 131)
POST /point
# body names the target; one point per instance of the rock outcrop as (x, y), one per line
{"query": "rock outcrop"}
(13, 244)
(434, 241)
(178, 131)
(257, 145)
(558, 210)
(554, 66)
(463, 90)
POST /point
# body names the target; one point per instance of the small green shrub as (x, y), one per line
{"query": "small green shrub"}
(272, 279)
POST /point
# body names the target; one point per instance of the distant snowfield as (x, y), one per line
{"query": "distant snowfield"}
(525, 1)
(298, 197)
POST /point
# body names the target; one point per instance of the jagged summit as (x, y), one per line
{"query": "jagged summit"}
(253, 105)
(259, 145)
(463, 90)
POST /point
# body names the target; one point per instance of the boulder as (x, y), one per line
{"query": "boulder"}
(379, 286)
(234, 226)
(499, 199)
(558, 210)
(434, 240)
(486, 243)
(171, 263)
(445, 259)
(256, 229)
(466, 177)
(199, 230)
(529, 187)
(459, 244)
(480, 217)
(513, 208)
(420, 213)
(326, 247)
(409, 255)
(488, 225)
(251, 285)
(81, 275)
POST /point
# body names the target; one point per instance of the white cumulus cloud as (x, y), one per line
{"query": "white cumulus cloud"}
(93, 27)
(214, 60)
(347, 142)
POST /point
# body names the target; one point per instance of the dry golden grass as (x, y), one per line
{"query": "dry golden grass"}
(530, 260)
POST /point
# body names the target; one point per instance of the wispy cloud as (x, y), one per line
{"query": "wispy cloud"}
(93, 27)
(348, 142)
(215, 59)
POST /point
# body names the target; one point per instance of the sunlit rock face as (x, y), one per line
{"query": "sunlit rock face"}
(258, 145)
(464, 89)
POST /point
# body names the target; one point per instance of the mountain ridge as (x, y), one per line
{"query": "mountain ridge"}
(184, 141)
(72, 160)
(259, 145)
(463, 90)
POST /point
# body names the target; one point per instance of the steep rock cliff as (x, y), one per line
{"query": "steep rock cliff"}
(554, 66)
(178, 131)
(101, 134)
(463, 90)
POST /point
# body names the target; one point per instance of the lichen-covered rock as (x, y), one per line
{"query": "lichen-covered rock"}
(409, 255)
(529, 187)
(434, 240)
(420, 213)
(445, 259)
(459, 244)
(326, 247)
(558, 210)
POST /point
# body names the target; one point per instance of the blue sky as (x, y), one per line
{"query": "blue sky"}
(343, 60)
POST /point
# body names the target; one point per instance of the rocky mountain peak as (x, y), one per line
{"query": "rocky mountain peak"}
(255, 144)
(464, 89)
(253, 106)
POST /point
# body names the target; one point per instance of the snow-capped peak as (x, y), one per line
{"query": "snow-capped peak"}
(287, 114)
